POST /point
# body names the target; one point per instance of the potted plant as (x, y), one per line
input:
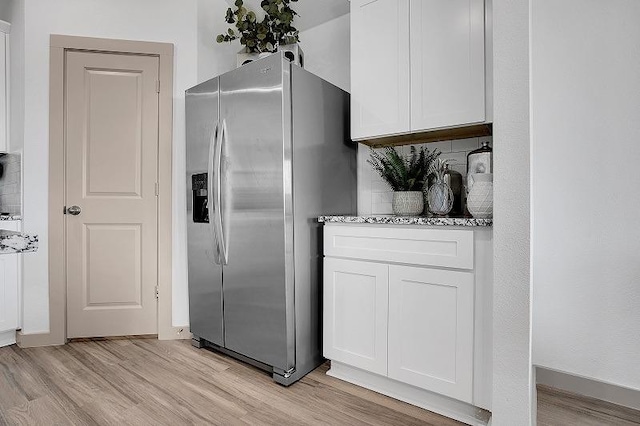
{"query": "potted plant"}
(405, 175)
(261, 37)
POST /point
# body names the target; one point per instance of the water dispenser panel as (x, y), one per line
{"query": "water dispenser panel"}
(200, 198)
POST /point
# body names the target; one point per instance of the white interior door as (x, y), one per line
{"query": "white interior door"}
(431, 329)
(111, 116)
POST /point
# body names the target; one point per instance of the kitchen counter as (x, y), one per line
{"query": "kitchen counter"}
(407, 220)
(17, 242)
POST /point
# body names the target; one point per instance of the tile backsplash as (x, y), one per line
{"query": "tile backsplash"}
(10, 184)
(374, 194)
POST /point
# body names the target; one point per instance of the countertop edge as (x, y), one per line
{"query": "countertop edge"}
(407, 220)
(12, 242)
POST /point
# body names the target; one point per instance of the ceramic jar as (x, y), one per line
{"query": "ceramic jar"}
(407, 203)
(480, 198)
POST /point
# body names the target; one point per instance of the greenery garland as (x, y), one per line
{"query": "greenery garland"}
(265, 36)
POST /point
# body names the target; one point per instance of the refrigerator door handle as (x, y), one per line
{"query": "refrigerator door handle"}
(213, 209)
(218, 195)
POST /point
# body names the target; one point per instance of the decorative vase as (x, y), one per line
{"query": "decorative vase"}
(440, 198)
(243, 57)
(454, 180)
(407, 203)
(480, 198)
(292, 52)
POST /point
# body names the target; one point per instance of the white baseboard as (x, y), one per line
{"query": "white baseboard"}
(588, 387)
(431, 401)
(7, 338)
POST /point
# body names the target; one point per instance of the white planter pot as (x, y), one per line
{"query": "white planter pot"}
(480, 199)
(245, 58)
(292, 52)
(408, 203)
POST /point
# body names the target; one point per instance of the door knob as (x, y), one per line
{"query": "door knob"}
(74, 210)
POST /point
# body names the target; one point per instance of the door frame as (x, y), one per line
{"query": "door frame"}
(59, 44)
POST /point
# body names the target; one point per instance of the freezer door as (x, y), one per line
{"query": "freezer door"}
(257, 212)
(205, 272)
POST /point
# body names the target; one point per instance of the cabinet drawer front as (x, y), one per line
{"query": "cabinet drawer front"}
(355, 313)
(429, 247)
(431, 330)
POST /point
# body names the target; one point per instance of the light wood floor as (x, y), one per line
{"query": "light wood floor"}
(147, 382)
(556, 408)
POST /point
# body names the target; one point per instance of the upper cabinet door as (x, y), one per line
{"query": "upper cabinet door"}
(379, 67)
(4, 92)
(447, 63)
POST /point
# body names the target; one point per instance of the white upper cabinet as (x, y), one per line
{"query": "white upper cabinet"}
(4, 86)
(379, 67)
(447, 63)
(416, 65)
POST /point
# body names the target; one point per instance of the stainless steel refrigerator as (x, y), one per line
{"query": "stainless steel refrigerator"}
(267, 152)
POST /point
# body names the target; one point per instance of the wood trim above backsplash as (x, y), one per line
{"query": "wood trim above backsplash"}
(474, 131)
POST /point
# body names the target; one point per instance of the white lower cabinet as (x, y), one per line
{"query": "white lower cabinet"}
(8, 292)
(431, 330)
(407, 313)
(356, 309)
(9, 300)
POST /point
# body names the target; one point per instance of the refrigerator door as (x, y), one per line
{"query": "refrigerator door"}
(255, 112)
(205, 271)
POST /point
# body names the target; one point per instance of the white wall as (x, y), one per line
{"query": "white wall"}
(327, 51)
(512, 372)
(326, 47)
(214, 58)
(148, 20)
(586, 183)
(5, 10)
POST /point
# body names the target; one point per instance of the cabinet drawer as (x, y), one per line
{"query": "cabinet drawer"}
(449, 248)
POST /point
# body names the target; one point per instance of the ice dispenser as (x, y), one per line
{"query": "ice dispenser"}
(200, 197)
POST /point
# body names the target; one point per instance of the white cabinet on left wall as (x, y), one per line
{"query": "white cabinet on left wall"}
(9, 290)
(5, 29)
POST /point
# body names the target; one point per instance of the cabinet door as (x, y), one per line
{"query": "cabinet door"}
(355, 313)
(4, 93)
(379, 67)
(8, 292)
(431, 329)
(447, 63)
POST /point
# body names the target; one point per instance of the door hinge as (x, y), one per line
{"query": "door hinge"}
(64, 210)
(157, 189)
(157, 86)
(157, 293)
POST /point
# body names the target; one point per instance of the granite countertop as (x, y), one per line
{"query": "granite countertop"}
(17, 242)
(407, 220)
(10, 217)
